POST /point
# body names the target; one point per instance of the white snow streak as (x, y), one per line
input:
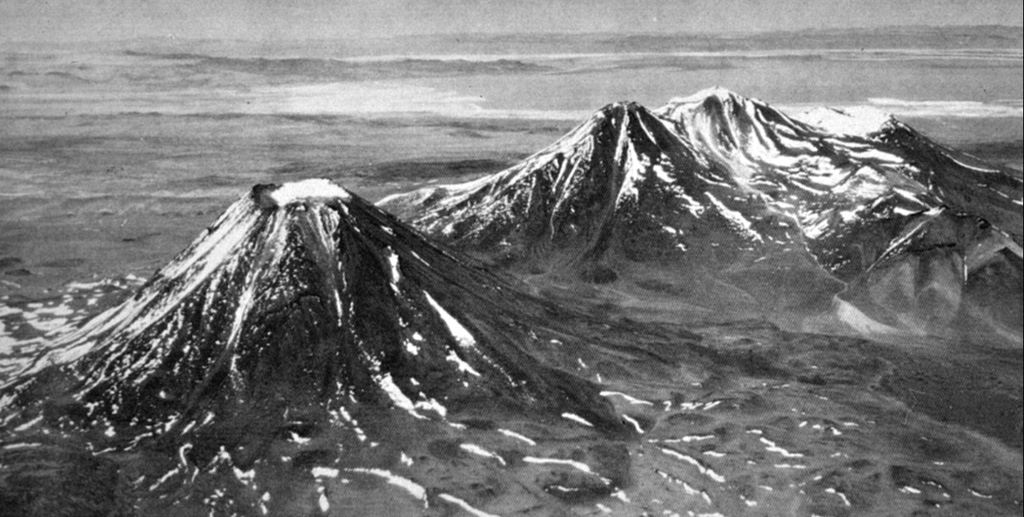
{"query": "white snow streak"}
(396, 274)
(416, 491)
(577, 419)
(324, 472)
(480, 451)
(772, 447)
(397, 397)
(692, 461)
(735, 218)
(461, 335)
(582, 467)
(465, 506)
(518, 436)
(462, 365)
(631, 400)
(636, 425)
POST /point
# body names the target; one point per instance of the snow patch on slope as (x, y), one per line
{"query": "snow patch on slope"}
(857, 320)
(854, 121)
(736, 218)
(461, 335)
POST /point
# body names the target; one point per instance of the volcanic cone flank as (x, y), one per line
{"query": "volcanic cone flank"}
(306, 292)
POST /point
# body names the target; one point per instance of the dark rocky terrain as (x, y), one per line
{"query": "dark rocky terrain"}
(312, 355)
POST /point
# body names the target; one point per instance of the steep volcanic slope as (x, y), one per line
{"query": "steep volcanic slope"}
(302, 311)
(307, 289)
(726, 192)
(623, 185)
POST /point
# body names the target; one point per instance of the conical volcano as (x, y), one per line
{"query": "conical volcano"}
(721, 200)
(306, 292)
(621, 187)
(305, 341)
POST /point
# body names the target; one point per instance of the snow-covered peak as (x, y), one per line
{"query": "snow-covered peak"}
(719, 104)
(609, 116)
(857, 121)
(308, 190)
(715, 109)
(717, 92)
(340, 290)
(620, 107)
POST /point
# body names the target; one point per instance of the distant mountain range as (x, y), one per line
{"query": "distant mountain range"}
(719, 200)
(895, 36)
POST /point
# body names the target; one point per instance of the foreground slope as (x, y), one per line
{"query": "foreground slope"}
(722, 201)
(308, 291)
(310, 355)
(303, 312)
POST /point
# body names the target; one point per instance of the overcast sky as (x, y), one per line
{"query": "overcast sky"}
(60, 20)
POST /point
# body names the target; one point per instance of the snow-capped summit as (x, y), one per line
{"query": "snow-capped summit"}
(308, 190)
(721, 104)
(306, 294)
(723, 191)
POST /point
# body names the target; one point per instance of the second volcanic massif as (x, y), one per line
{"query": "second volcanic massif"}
(707, 309)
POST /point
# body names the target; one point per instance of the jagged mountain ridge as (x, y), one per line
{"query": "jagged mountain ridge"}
(723, 186)
(305, 293)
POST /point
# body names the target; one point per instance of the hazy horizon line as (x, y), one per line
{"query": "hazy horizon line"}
(538, 33)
